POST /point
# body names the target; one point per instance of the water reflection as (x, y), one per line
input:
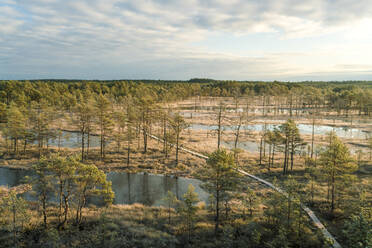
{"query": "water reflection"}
(149, 189)
(70, 139)
(129, 188)
(12, 177)
(343, 132)
(250, 146)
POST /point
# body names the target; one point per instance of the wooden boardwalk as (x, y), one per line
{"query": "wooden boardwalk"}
(308, 211)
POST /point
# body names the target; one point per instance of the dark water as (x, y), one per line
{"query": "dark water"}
(147, 189)
(70, 139)
(343, 132)
(150, 189)
(250, 146)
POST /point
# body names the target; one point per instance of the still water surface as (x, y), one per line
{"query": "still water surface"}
(343, 132)
(148, 189)
(69, 139)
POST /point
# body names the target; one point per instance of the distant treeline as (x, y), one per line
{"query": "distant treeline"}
(203, 86)
(342, 96)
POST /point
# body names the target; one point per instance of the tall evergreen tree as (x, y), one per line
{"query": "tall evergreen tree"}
(291, 141)
(337, 164)
(84, 116)
(16, 125)
(188, 209)
(219, 178)
(104, 118)
(178, 124)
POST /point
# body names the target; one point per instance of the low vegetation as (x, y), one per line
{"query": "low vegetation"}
(122, 116)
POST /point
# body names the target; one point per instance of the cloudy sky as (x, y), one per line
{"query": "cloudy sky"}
(164, 39)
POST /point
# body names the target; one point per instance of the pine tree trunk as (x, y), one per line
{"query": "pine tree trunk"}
(24, 146)
(101, 143)
(82, 145)
(88, 144)
(219, 128)
(44, 210)
(15, 145)
(177, 143)
(128, 154)
(272, 156)
(285, 156)
(261, 151)
(217, 217)
(237, 136)
(269, 156)
(292, 153)
(312, 139)
(333, 193)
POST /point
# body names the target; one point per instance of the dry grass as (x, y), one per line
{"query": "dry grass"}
(153, 161)
(148, 220)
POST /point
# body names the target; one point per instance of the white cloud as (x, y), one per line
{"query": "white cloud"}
(154, 38)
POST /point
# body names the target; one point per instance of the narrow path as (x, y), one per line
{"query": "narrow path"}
(308, 211)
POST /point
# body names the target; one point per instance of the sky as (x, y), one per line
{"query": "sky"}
(285, 40)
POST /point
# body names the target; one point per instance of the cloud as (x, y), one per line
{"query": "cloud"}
(153, 39)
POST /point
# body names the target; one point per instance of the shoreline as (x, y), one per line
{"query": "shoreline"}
(108, 169)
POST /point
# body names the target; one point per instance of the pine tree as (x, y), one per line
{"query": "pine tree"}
(250, 200)
(358, 231)
(146, 106)
(14, 209)
(178, 124)
(90, 181)
(16, 125)
(41, 118)
(63, 169)
(105, 121)
(84, 116)
(291, 142)
(42, 186)
(171, 202)
(337, 164)
(187, 210)
(221, 109)
(274, 139)
(131, 119)
(219, 177)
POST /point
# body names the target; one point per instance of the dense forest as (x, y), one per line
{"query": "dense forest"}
(73, 200)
